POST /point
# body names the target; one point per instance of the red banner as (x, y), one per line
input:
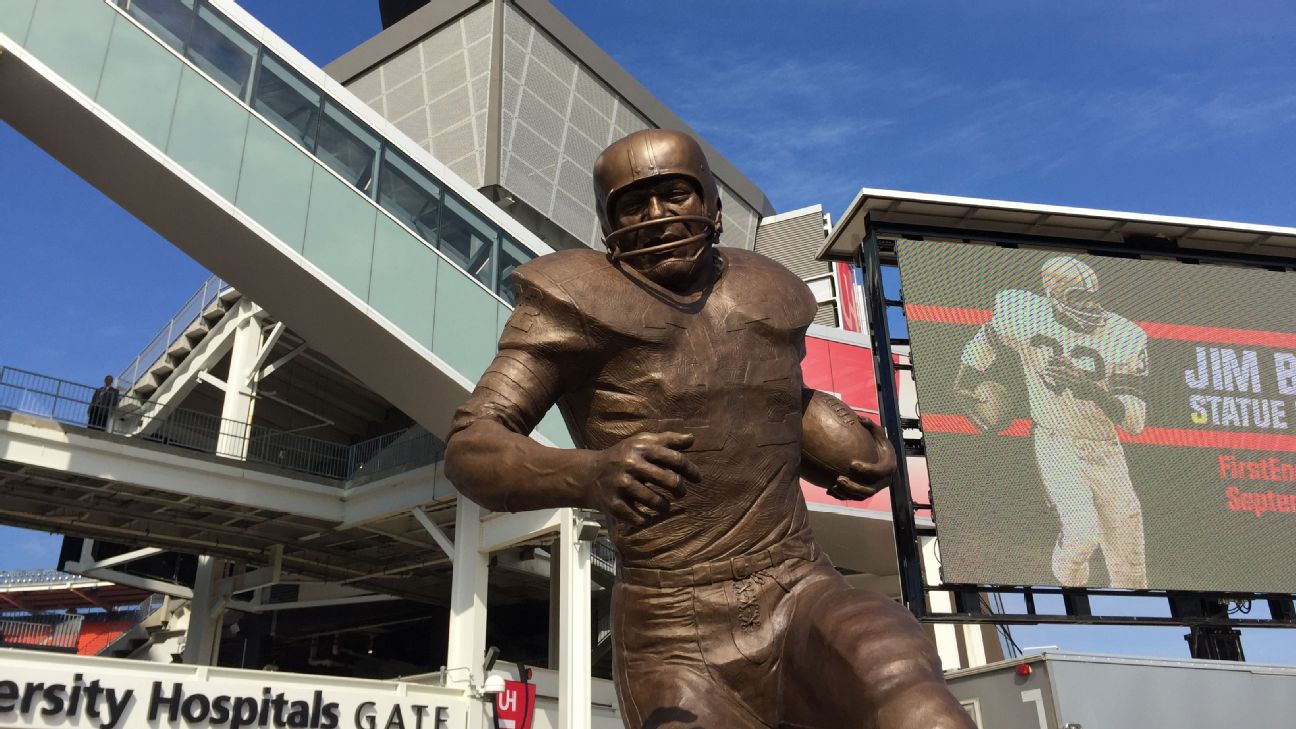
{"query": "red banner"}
(515, 705)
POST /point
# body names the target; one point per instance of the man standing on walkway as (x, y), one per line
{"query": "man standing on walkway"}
(102, 405)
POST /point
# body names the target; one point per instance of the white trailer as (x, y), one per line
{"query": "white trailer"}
(1090, 691)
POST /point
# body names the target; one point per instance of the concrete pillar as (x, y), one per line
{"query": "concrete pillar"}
(555, 602)
(205, 612)
(946, 634)
(236, 409)
(574, 652)
(466, 647)
(974, 644)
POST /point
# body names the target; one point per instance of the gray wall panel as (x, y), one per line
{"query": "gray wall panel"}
(794, 241)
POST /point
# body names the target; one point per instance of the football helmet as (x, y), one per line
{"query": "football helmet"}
(648, 155)
(1072, 288)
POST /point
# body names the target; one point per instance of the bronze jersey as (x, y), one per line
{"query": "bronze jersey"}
(622, 356)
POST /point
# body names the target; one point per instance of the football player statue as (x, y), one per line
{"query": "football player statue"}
(676, 365)
(1085, 370)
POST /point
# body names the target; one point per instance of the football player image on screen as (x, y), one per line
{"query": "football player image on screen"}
(1084, 369)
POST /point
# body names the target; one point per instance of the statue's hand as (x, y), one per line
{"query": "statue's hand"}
(865, 479)
(636, 479)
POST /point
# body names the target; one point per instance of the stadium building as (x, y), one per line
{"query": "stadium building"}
(264, 509)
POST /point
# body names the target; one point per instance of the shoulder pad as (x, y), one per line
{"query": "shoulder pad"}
(763, 274)
(559, 267)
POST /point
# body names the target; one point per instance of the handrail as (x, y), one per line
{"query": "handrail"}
(173, 330)
(71, 403)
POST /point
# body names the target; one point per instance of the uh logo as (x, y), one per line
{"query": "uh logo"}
(515, 705)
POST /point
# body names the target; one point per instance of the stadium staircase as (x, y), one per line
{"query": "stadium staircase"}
(175, 341)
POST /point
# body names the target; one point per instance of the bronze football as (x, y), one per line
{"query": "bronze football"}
(831, 437)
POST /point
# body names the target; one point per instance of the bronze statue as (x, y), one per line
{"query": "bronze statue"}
(676, 365)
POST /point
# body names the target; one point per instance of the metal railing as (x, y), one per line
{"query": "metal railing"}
(48, 632)
(603, 555)
(174, 328)
(388, 454)
(71, 403)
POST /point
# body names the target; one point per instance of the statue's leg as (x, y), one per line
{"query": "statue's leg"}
(680, 698)
(663, 680)
(857, 659)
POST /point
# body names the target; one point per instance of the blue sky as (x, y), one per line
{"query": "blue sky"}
(1179, 107)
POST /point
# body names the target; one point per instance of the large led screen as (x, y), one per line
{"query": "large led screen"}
(1105, 422)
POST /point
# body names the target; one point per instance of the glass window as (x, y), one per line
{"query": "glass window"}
(222, 51)
(409, 194)
(511, 256)
(467, 240)
(348, 147)
(169, 20)
(289, 101)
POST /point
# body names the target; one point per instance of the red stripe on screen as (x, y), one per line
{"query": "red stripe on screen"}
(1182, 437)
(1155, 330)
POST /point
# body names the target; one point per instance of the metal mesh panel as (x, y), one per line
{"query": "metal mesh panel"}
(794, 242)
(436, 92)
(628, 119)
(416, 127)
(574, 179)
(552, 57)
(595, 93)
(572, 214)
(404, 99)
(542, 119)
(581, 150)
(401, 68)
(449, 109)
(480, 88)
(468, 167)
(739, 221)
(589, 122)
(548, 87)
(558, 116)
(452, 144)
(514, 59)
(479, 57)
(446, 75)
(477, 25)
(826, 314)
(523, 181)
(445, 43)
(368, 87)
(535, 150)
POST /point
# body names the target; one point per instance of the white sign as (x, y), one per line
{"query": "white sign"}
(56, 691)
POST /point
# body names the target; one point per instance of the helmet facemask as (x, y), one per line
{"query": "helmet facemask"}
(658, 205)
(661, 229)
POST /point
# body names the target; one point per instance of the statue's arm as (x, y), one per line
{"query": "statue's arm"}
(490, 456)
(544, 353)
